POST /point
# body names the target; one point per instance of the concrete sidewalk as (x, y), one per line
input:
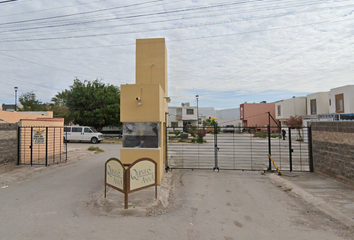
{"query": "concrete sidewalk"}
(329, 195)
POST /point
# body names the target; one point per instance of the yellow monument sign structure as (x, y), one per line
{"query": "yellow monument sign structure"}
(144, 106)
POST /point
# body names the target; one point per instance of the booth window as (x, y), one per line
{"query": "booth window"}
(141, 135)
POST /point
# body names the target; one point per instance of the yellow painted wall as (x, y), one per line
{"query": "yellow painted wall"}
(152, 105)
(151, 62)
(129, 155)
(14, 117)
(43, 122)
(54, 143)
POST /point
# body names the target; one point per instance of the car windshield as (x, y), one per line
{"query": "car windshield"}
(93, 129)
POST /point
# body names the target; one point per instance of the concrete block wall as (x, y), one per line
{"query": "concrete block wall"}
(333, 148)
(8, 142)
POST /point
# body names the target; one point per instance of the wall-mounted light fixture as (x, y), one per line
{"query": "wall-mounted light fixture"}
(139, 100)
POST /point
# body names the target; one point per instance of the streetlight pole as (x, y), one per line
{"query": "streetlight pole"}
(15, 98)
(197, 96)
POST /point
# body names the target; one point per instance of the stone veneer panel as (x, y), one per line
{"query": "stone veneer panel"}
(333, 148)
(8, 142)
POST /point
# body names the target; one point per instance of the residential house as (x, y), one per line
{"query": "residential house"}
(317, 105)
(290, 107)
(341, 99)
(256, 114)
(183, 115)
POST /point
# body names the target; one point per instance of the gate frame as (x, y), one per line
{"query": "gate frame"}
(216, 148)
(63, 146)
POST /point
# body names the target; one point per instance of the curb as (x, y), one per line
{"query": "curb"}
(316, 201)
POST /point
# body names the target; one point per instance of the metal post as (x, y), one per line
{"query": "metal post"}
(309, 129)
(15, 98)
(61, 137)
(31, 146)
(66, 147)
(197, 96)
(166, 149)
(290, 151)
(54, 143)
(269, 144)
(46, 146)
(18, 145)
(216, 149)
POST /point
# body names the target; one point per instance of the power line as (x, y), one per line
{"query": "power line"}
(147, 30)
(48, 9)
(139, 15)
(76, 14)
(7, 1)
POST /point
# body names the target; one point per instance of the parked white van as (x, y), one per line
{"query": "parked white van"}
(82, 133)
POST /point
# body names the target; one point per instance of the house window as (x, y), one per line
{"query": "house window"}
(241, 112)
(279, 110)
(313, 107)
(174, 124)
(339, 103)
(190, 111)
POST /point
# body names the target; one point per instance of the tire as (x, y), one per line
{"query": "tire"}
(94, 140)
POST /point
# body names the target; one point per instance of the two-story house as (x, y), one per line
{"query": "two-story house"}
(256, 114)
(290, 107)
(317, 105)
(341, 99)
(183, 115)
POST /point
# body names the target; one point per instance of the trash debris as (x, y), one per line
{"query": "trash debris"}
(4, 186)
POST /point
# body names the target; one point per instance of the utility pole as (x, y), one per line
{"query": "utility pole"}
(15, 98)
(197, 96)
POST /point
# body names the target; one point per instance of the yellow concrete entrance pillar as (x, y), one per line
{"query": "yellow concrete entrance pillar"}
(144, 106)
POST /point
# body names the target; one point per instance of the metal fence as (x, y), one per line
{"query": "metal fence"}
(239, 149)
(41, 146)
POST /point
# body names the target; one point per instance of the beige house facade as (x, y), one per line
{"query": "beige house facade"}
(290, 107)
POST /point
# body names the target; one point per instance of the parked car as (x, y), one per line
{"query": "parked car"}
(82, 133)
(229, 128)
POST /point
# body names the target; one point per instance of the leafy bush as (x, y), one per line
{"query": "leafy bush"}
(96, 149)
(177, 132)
(260, 135)
(200, 135)
(275, 136)
(191, 132)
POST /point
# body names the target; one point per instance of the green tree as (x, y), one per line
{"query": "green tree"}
(59, 108)
(93, 103)
(30, 103)
(210, 122)
(60, 98)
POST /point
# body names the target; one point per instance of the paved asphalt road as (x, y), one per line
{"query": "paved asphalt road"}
(203, 205)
